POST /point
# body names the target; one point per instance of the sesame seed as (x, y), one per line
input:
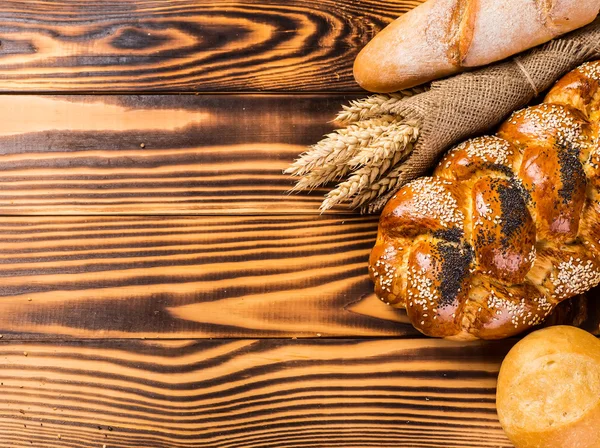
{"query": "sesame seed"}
(487, 149)
(431, 197)
(553, 120)
(574, 277)
(590, 70)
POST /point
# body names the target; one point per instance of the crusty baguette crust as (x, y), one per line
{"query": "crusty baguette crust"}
(443, 37)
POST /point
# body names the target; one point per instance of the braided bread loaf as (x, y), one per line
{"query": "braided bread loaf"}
(507, 227)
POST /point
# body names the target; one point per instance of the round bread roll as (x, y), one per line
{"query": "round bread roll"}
(549, 390)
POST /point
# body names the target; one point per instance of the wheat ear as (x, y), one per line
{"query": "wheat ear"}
(392, 141)
(327, 160)
(385, 152)
(377, 189)
(373, 106)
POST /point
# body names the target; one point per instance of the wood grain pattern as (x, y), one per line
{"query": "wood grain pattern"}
(184, 277)
(186, 45)
(248, 393)
(198, 277)
(206, 154)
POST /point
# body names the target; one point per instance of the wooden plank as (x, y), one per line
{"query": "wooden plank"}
(190, 277)
(199, 277)
(247, 393)
(206, 154)
(186, 45)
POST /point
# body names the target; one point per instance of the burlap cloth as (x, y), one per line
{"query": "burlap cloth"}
(471, 103)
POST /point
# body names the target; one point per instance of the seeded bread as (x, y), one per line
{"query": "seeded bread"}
(507, 227)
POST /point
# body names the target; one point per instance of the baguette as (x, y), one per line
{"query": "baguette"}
(444, 37)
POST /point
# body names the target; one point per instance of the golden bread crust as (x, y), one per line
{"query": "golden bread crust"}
(548, 393)
(506, 228)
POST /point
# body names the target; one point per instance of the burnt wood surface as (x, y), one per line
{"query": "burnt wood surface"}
(158, 154)
(185, 276)
(158, 286)
(245, 393)
(186, 45)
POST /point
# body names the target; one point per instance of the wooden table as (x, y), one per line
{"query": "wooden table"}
(159, 287)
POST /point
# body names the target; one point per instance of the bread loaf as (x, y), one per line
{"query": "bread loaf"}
(507, 227)
(548, 393)
(442, 37)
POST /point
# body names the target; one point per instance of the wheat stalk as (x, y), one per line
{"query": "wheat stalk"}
(327, 160)
(369, 149)
(378, 201)
(385, 152)
(389, 143)
(376, 189)
(373, 105)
